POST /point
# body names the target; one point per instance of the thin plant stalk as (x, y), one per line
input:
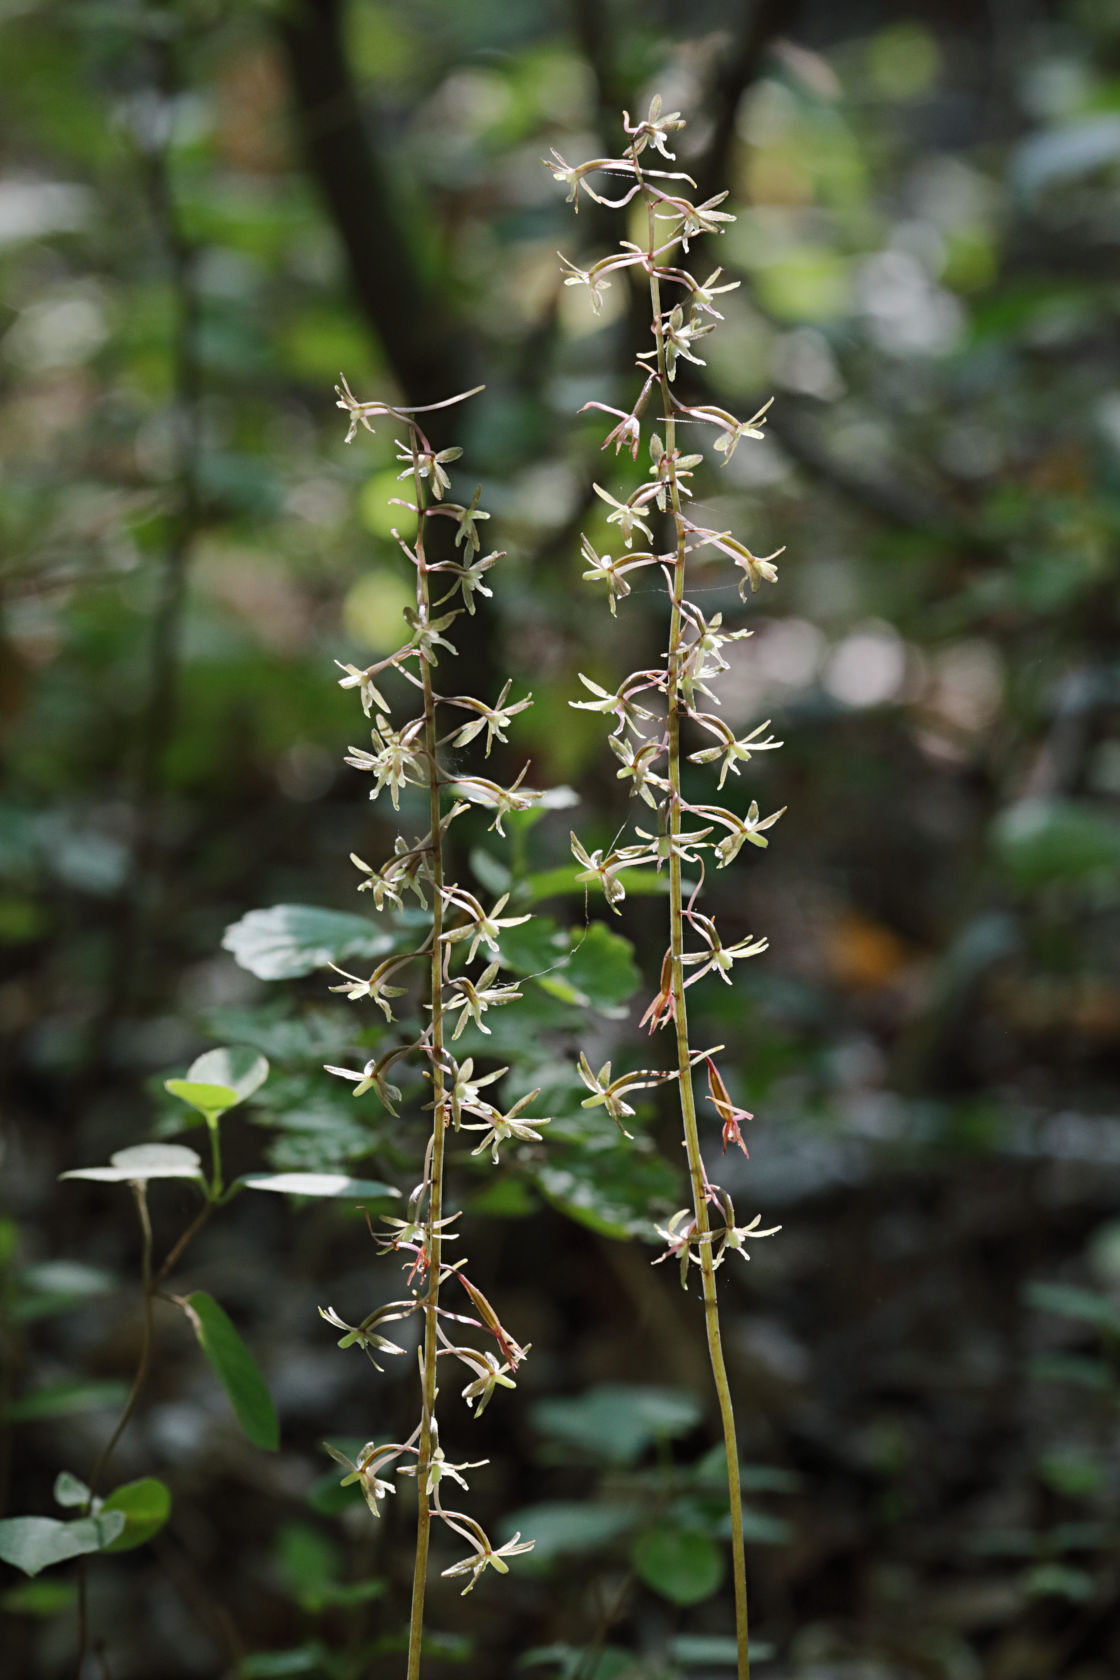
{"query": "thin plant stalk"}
(143, 1366)
(651, 757)
(439, 1119)
(407, 757)
(696, 1172)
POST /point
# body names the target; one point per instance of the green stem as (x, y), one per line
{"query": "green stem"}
(215, 1158)
(696, 1173)
(432, 1241)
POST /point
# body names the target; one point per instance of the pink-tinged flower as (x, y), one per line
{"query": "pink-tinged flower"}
(719, 1096)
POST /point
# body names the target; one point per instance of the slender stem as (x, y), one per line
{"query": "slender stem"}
(432, 1240)
(143, 1365)
(697, 1175)
(180, 1247)
(140, 1191)
(215, 1158)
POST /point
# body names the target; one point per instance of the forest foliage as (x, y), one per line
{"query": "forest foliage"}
(205, 213)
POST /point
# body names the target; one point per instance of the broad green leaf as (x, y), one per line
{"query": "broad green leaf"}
(593, 967)
(533, 947)
(561, 1526)
(504, 1197)
(35, 1543)
(68, 1490)
(236, 1370)
(308, 1558)
(338, 1185)
(680, 1564)
(61, 1399)
(142, 1162)
(146, 1506)
(293, 939)
(618, 1421)
(610, 1190)
(311, 1564)
(601, 968)
(237, 1067)
(314, 1035)
(564, 882)
(210, 1100)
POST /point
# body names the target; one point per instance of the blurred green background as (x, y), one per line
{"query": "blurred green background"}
(207, 211)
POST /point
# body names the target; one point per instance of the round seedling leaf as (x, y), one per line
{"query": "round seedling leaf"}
(236, 1067)
(211, 1101)
(142, 1162)
(146, 1505)
(35, 1543)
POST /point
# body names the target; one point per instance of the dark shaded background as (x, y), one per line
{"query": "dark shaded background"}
(205, 212)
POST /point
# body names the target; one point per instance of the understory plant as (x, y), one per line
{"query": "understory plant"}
(454, 957)
(651, 709)
(134, 1512)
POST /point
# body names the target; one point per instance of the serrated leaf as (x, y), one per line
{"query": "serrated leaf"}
(35, 1543)
(594, 967)
(534, 946)
(210, 1100)
(145, 1506)
(142, 1162)
(682, 1565)
(288, 940)
(68, 1490)
(236, 1370)
(237, 1067)
(601, 967)
(610, 1191)
(337, 1185)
